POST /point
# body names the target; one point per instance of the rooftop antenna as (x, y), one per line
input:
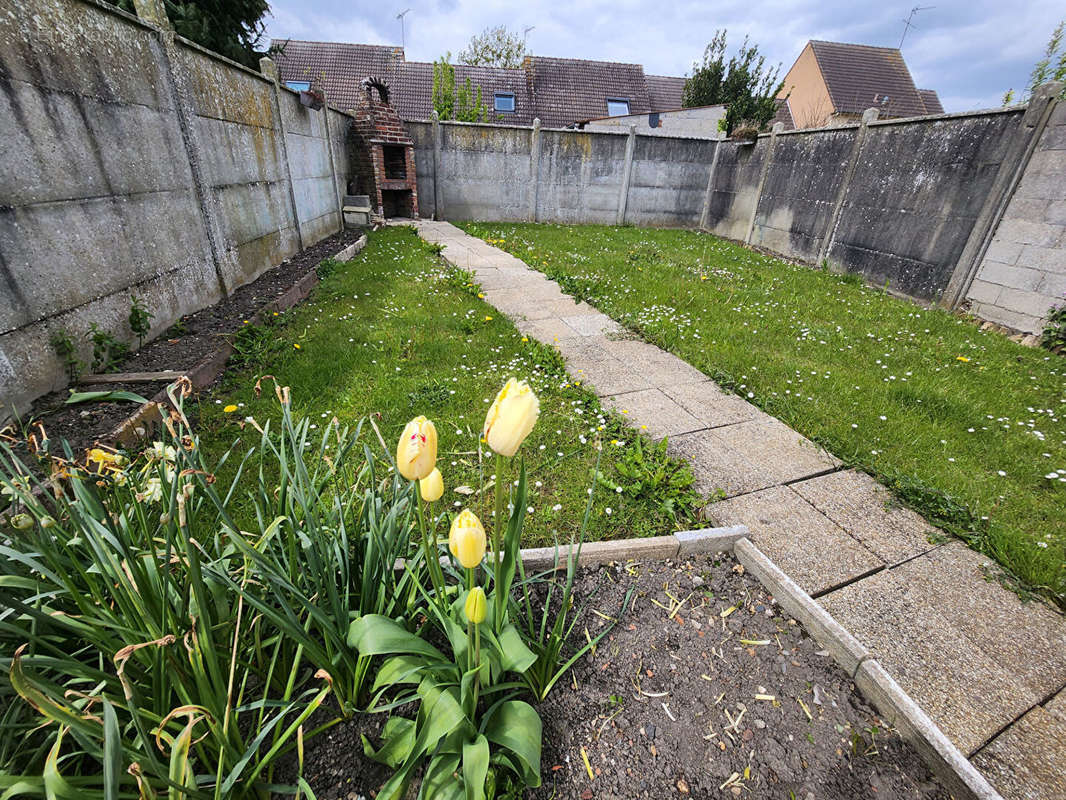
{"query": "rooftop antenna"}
(526, 30)
(403, 38)
(907, 24)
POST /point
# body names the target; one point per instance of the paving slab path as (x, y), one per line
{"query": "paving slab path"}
(988, 669)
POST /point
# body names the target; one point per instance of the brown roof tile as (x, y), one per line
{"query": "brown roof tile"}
(566, 90)
(859, 76)
(931, 100)
(664, 92)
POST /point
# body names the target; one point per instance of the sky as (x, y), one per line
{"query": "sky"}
(969, 51)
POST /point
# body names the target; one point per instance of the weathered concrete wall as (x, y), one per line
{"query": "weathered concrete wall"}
(484, 174)
(735, 191)
(137, 165)
(581, 176)
(1023, 272)
(917, 191)
(801, 186)
(668, 181)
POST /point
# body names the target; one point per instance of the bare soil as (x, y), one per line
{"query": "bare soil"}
(182, 347)
(727, 697)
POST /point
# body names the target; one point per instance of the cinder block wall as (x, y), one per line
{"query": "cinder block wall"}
(140, 165)
(1023, 272)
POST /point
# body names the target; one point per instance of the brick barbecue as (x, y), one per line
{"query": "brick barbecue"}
(384, 157)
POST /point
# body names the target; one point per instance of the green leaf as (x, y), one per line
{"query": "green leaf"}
(112, 752)
(439, 782)
(400, 669)
(374, 635)
(105, 397)
(475, 767)
(515, 726)
(514, 655)
(398, 738)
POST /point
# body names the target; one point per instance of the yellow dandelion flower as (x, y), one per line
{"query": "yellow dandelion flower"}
(230, 408)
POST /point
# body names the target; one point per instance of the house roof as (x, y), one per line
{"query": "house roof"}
(860, 76)
(932, 101)
(664, 92)
(560, 91)
(784, 114)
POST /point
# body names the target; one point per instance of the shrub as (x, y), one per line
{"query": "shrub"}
(1054, 335)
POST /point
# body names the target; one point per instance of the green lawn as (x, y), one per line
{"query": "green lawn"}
(396, 333)
(966, 426)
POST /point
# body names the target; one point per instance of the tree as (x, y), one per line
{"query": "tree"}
(232, 28)
(1052, 67)
(455, 103)
(495, 47)
(744, 85)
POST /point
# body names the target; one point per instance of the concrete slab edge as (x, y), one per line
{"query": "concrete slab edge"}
(895, 706)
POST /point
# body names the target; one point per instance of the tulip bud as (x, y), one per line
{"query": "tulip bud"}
(511, 417)
(21, 522)
(466, 540)
(475, 605)
(416, 452)
(432, 486)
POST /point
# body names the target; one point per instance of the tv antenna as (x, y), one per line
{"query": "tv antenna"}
(526, 30)
(403, 38)
(907, 24)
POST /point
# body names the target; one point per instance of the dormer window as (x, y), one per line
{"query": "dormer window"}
(504, 102)
(617, 106)
(300, 86)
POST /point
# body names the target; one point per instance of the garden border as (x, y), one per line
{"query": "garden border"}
(942, 757)
(210, 367)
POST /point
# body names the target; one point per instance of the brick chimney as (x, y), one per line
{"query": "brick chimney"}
(384, 155)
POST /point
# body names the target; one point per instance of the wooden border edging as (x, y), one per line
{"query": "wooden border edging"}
(895, 705)
(146, 419)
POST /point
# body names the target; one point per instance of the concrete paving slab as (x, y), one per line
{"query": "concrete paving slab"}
(965, 692)
(797, 538)
(775, 450)
(870, 513)
(595, 324)
(550, 330)
(665, 369)
(1057, 705)
(1028, 760)
(716, 467)
(653, 413)
(710, 405)
(1028, 639)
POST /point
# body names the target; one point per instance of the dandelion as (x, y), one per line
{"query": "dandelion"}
(229, 409)
(296, 345)
(964, 359)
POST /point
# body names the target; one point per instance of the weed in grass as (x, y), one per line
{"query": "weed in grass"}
(966, 426)
(108, 352)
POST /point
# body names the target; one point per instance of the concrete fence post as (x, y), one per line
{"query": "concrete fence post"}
(627, 176)
(774, 131)
(534, 169)
(706, 212)
(868, 116)
(1012, 168)
(438, 191)
(332, 164)
(270, 70)
(154, 13)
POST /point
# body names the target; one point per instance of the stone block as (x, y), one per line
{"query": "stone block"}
(776, 449)
(717, 468)
(652, 548)
(1012, 319)
(956, 580)
(967, 693)
(1023, 231)
(589, 363)
(1028, 760)
(1021, 278)
(596, 324)
(550, 330)
(869, 513)
(710, 405)
(653, 413)
(845, 649)
(1003, 251)
(797, 537)
(982, 291)
(1032, 304)
(1047, 259)
(936, 749)
(664, 369)
(1055, 213)
(1057, 705)
(1027, 208)
(709, 540)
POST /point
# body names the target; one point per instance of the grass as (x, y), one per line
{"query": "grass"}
(396, 333)
(964, 425)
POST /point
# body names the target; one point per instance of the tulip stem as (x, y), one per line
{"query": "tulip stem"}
(436, 575)
(497, 549)
(477, 664)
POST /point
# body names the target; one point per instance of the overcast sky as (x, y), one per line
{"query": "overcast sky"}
(970, 51)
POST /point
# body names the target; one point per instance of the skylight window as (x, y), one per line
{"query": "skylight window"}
(300, 86)
(504, 102)
(617, 107)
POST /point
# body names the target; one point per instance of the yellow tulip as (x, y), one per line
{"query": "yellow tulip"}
(475, 605)
(416, 452)
(432, 486)
(511, 417)
(466, 540)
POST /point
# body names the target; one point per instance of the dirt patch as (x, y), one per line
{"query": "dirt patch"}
(181, 348)
(696, 704)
